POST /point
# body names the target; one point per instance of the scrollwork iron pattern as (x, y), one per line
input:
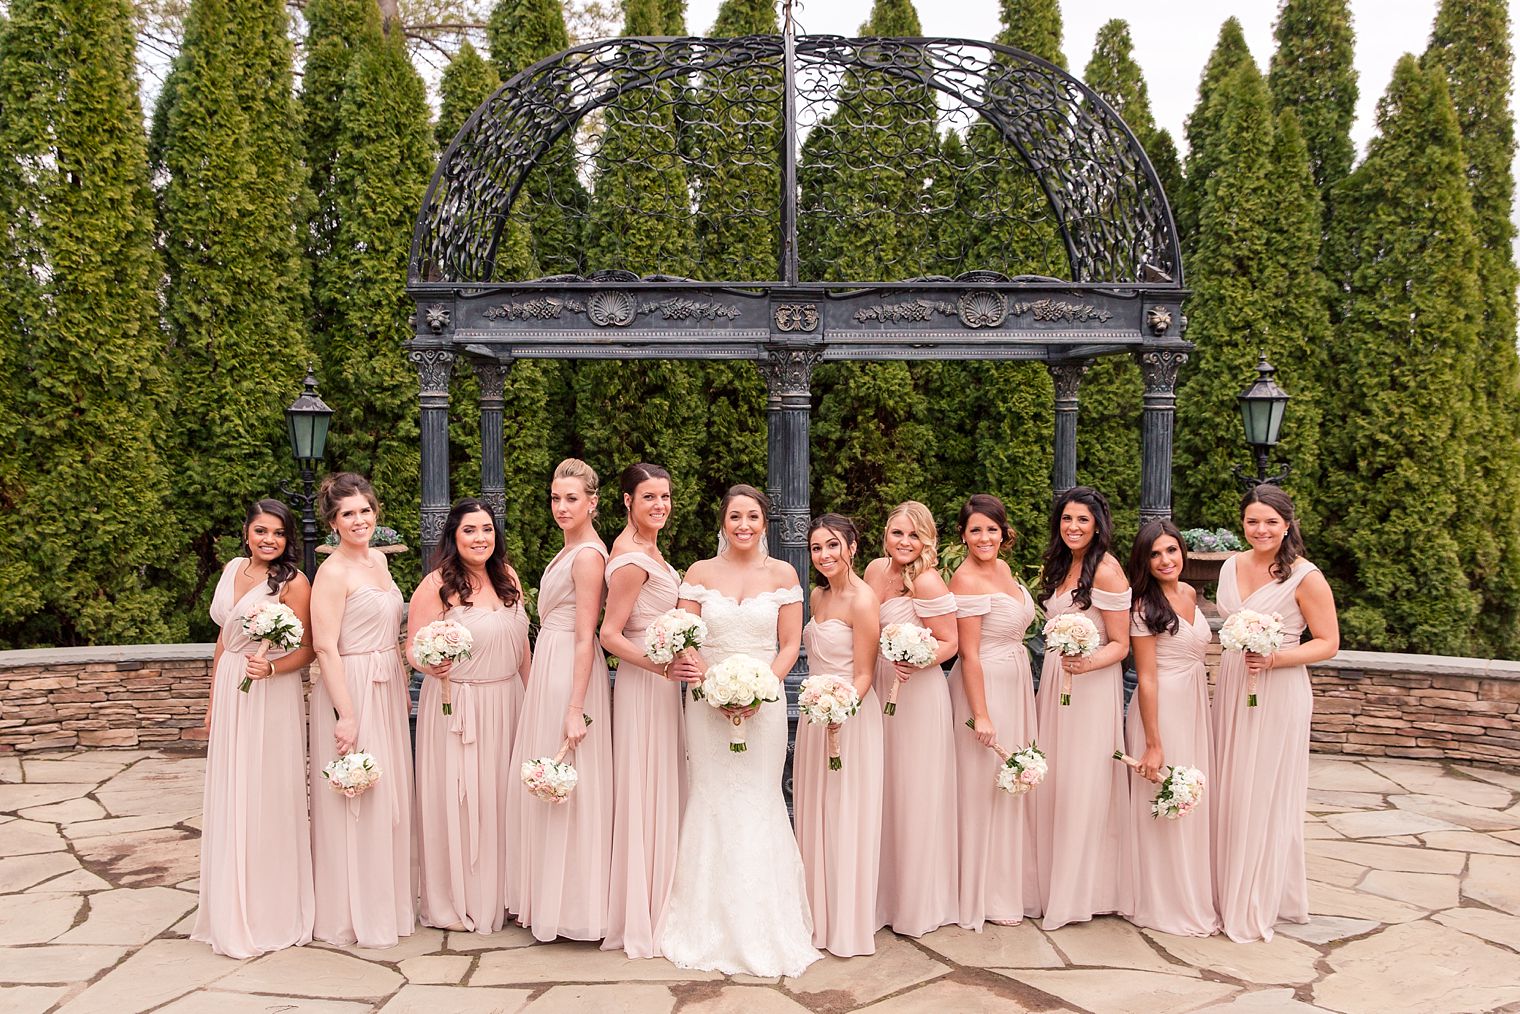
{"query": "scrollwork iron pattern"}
(797, 317)
(688, 131)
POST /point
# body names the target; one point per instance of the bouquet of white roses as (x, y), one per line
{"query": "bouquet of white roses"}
(828, 700)
(1248, 630)
(352, 773)
(439, 642)
(672, 633)
(1180, 793)
(549, 778)
(1070, 635)
(910, 643)
(1022, 770)
(738, 681)
(273, 625)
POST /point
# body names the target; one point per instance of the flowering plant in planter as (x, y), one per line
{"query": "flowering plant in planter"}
(1216, 540)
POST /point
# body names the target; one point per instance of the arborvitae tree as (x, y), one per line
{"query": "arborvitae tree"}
(233, 212)
(1033, 26)
(1233, 310)
(640, 221)
(385, 155)
(91, 537)
(1312, 74)
(1471, 46)
(467, 81)
(1202, 132)
(1398, 484)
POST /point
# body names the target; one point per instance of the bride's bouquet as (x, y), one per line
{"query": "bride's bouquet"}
(439, 642)
(1180, 793)
(1022, 769)
(828, 700)
(352, 774)
(549, 778)
(910, 643)
(273, 625)
(738, 681)
(1248, 630)
(1070, 635)
(672, 633)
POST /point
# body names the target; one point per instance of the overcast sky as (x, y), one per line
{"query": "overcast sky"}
(1173, 38)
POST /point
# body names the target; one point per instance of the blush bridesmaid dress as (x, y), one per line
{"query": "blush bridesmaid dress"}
(838, 813)
(1261, 787)
(256, 879)
(1082, 810)
(463, 770)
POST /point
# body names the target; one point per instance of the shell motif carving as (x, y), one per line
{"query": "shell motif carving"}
(983, 309)
(611, 309)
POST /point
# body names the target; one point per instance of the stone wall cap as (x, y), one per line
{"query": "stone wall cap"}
(106, 653)
(1434, 665)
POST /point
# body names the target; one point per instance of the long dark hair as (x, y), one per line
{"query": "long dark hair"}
(454, 579)
(841, 526)
(283, 567)
(1151, 603)
(1057, 559)
(633, 477)
(736, 491)
(1292, 545)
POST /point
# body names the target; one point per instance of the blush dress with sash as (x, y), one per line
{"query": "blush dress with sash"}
(256, 879)
(999, 881)
(1082, 810)
(559, 854)
(737, 903)
(463, 770)
(648, 754)
(1174, 887)
(918, 891)
(363, 848)
(838, 813)
(1261, 785)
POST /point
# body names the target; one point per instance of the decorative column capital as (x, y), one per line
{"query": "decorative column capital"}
(434, 368)
(492, 376)
(1068, 378)
(1158, 369)
(789, 370)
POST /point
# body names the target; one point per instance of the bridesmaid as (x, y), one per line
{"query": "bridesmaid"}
(362, 847)
(1261, 782)
(648, 740)
(256, 888)
(561, 854)
(1082, 810)
(1174, 890)
(991, 685)
(918, 888)
(838, 813)
(463, 759)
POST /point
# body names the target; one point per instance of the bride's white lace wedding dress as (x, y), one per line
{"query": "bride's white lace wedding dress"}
(737, 904)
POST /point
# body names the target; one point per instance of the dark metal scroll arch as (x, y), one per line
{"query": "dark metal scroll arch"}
(430, 253)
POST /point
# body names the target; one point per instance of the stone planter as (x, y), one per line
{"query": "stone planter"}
(1203, 568)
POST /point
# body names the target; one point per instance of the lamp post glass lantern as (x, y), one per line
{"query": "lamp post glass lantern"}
(1262, 406)
(306, 424)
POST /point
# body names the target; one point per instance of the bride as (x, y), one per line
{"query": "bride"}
(737, 903)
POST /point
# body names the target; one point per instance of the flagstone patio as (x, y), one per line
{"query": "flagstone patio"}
(1416, 894)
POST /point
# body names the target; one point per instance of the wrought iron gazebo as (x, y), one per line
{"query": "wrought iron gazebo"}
(1037, 156)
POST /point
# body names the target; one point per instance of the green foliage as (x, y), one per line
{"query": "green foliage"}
(1471, 46)
(1312, 74)
(98, 560)
(1202, 133)
(522, 32)
(385, 155)
(1033, 26)
(1398, 487)
(232, 215)
(467, 81)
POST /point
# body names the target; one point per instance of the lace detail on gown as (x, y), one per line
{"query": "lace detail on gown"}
(737, 904)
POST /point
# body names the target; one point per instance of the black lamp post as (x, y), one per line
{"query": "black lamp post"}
(1261, 411)
(306, 423)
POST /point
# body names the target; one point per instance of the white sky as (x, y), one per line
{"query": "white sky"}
(1172, 38)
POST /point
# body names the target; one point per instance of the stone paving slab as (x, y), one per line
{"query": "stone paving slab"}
(1414, 887)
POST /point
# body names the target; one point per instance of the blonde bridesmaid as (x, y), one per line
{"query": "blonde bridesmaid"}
(463, 758)
(648, 742)
(918, 891)
(560, 855)
(362, 847)
(991, 687)
(1082, 809)
(1169, 724)
(838, 813)
(1261, 754)
(256, 886)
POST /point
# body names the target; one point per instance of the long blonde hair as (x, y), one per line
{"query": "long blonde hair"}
(923, 524)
